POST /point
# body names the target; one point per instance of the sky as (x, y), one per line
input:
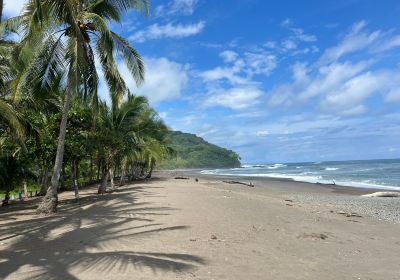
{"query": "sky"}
(275, 81)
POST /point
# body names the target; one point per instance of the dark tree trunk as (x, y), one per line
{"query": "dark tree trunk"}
(50, 200)
(6, 199)
(45, 181)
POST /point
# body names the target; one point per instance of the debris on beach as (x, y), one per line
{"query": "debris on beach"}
(213, 237)
(181, 178)
(314, 236)
(240, 183)
(383, 194)
(351, 214)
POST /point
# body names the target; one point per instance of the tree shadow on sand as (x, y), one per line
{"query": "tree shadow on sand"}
(84, 237)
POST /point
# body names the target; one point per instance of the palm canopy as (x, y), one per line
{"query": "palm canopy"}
(71, 36)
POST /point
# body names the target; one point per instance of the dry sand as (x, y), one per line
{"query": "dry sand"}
(182, 229)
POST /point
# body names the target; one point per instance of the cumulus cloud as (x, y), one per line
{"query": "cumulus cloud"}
(165, 79)
(170, 30)
(234, 98)
(341, 88)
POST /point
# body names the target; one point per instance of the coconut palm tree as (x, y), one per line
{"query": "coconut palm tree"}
(67, 36)
(117, 132)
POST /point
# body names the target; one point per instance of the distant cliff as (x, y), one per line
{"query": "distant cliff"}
(192, 151)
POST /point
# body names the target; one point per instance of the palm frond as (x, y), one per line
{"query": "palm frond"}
(131, 56)
(11, 116)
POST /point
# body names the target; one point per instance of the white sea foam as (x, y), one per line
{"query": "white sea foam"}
(308, 179)
(331, 168)
(276, 166)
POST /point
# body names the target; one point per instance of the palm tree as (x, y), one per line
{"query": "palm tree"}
(118, 133)
(68, 35)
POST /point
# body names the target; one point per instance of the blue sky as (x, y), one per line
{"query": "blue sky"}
(276, 81)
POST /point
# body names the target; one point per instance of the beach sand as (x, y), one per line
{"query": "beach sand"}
(170, 228)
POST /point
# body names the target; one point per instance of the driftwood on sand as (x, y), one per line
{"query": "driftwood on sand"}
(181, 178)
(383, 194)
(240, 183)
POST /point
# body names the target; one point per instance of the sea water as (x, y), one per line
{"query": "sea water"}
(381, 174)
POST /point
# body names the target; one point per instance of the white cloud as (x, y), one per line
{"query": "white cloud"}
(235, 98)
(289, 45)
(354, 41)
(157, 31)
(229, 73)
(240, 69)
(13, 7)
(262, 133)
(176, 7)
(298, 36)
(341, 88)
(164, 79)
(390, 43)
(270, 45)
(229, 56)
(260, 63)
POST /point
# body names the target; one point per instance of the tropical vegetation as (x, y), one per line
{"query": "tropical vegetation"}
(55, 131)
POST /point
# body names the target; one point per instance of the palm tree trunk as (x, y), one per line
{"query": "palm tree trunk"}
(103, 186)
(75, 174)
(1, 9)
(111, 173)
(50, 200)
(25, 189)
(45, 180)
(153, 163)
(122, 179)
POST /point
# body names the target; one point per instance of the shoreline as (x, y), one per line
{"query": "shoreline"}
(351, 190)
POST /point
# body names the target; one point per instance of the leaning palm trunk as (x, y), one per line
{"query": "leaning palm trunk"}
(50, 200)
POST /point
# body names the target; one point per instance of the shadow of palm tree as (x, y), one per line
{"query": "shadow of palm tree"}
(85, 236)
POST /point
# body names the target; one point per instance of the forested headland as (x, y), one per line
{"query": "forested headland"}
(191, 151)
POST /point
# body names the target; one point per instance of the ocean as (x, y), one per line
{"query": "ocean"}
(380, 174)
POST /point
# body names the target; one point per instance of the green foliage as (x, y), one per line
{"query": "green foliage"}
(194, 152)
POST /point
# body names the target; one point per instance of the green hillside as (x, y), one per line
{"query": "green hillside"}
(194, 152)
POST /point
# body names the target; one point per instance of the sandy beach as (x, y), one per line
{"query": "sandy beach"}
(168, 228)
